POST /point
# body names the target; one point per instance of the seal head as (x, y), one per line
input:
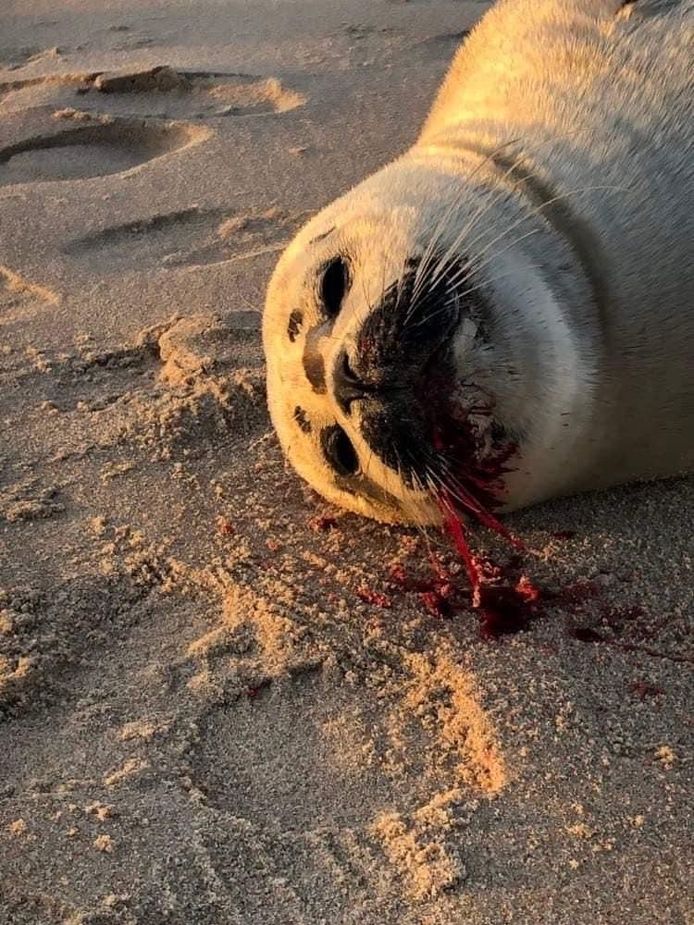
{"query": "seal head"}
(503, 314)
(397, 360)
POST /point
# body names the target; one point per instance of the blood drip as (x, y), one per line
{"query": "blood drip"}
(504, 608)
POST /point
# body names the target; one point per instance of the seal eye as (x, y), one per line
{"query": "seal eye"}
(334, 286)
(296, 319)
(339, 451)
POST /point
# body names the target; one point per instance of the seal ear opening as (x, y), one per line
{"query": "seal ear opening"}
(334, 286)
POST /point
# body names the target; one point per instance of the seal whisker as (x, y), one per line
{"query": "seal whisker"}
(478, 264)
(539, 209)
(421, 275)
(457, 294)
(440, 228)
(490, 200)
(523, 303)
(420, 484)
(505, 172)
(449, 486)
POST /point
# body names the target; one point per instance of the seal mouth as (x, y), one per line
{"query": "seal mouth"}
(395, 420)
(473, 452)
(465, 451)
(440, 434)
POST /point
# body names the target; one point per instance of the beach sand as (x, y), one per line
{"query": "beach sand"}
(216, 703)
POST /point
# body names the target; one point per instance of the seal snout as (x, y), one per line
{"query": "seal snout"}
(377, 373)
(348, 385)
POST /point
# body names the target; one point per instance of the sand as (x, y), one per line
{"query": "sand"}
(216, 704)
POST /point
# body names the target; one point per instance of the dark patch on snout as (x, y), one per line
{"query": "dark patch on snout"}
(302, 420)
(410, 323)
(339, 451)
(312, 360)
(296, 319)
(396, 431)
(404, 353)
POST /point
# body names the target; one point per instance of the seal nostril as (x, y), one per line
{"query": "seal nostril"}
(348, 373)
(339, 451)
(347, 385)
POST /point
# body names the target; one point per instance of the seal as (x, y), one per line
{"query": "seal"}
(503, 314)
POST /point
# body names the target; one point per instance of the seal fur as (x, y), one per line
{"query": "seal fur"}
(526, 265)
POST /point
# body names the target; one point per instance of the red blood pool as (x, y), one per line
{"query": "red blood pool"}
(252, 692)
(503, 611)
(507, 609)
(527, 590)
(398, 575)
(504, 608)
(436, 604)
(437, 591)
(506, 605)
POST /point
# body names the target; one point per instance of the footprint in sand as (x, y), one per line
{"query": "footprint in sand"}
(357, 773)
(92, 148)
(119, 117)
(15, 58)
(124, 37)
(393, 757)
(190, 237)
(16, 291)
(160, 92)
(258, 777)
(19, 298)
